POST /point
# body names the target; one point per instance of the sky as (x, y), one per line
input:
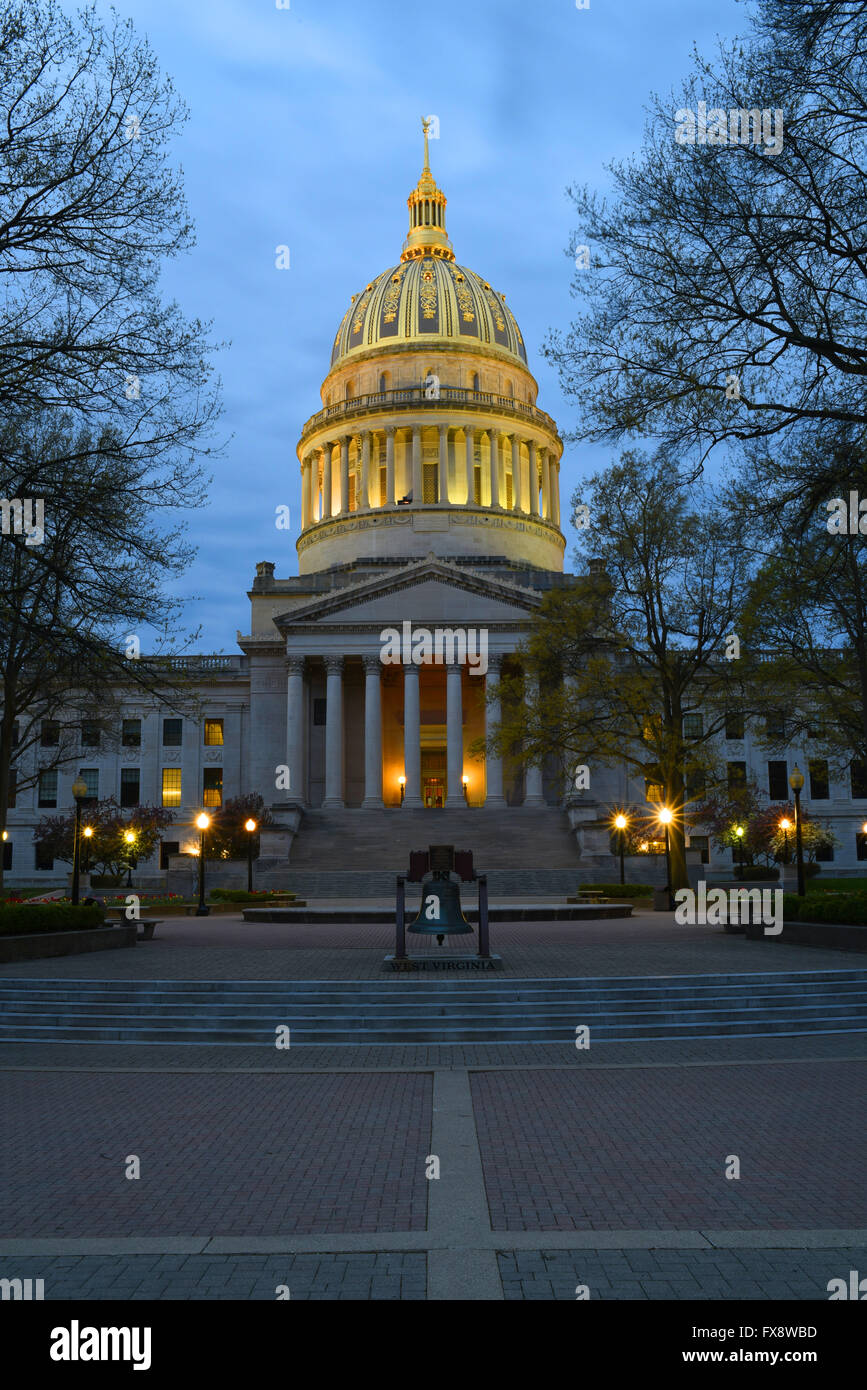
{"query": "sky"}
(305, 132)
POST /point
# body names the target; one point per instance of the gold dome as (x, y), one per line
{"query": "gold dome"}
(427, 299)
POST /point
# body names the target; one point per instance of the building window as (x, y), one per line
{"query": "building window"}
(89, 733)
(508, 492)
(212, 792)
(734, 724)
(213, 733)
(47, 795)
(168, 847)
(825, 854)
(383, 485)
(477, 484)
(7, 854)
(50, 736)
(861, 845)
(171, 786)
(819, 787)
(90, 777)
(129, 786)
(653, 791)
(42, 859)
(430, 482)
(775, 725)
(693, 725)
(475, 381)
(778, 781)
(131, 733)
(319, 707)
(858, 774)
(695, 783)
(702, 843)
(13, 789)
(173, 733)
(737, 776)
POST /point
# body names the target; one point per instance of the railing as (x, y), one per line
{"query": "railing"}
(199, 663)
(411, 397)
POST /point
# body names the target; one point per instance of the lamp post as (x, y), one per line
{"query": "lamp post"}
(402, 783)
(620, 823)
(739, 831)
(79, 791)
(785, 826)
(87, 836)
(129, 839)
(202, 822)
(796, 782)
(251, 827)
(464, 784)
(665, 818)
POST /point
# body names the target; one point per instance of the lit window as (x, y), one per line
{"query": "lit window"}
(212, 792)
(171, 786)
(213, 733)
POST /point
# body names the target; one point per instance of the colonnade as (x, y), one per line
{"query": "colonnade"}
(325, 474)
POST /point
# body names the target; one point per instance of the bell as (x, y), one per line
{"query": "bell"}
(440, 913)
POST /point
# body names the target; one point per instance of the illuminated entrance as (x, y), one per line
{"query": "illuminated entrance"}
(434, 780)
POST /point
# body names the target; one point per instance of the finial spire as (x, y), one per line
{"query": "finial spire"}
(427, 212)
(426, 124)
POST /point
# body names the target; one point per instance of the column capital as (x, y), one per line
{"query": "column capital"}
(390, 429)
(295, 665)
(372, 663)
(409, 668)
(443, 428)
(495, 663)
(333, 664)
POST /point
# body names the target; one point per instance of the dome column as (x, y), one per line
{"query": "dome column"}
(333, 733)
(517, 497)
(344, 475)
(389, 466)
(443, 481)
(364, 502)
(372, 733)
(305, 497)
(546, 485)
(313, 475)
(417, 486)
(494, 438)
(534, 479)
(554, 474)
(471, 467)
(493, 761)
(411, 739)
(454, 736)
(326, 481)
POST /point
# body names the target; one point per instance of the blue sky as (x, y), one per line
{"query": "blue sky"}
(305, 130)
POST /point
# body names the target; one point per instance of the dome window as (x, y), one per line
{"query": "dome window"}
(475, 381)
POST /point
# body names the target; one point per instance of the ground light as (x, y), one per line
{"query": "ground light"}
(665, 817)
(129, 837)
(739, 831)
(620, 824)
(202, 822)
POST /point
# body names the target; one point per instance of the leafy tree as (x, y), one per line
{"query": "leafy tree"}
(106, 849)
(637, 644)
(227, 838)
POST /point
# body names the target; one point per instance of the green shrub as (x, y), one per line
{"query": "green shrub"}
(753, 872)
(624, 890)
(42, 917)
(791, 907)
(849, 909)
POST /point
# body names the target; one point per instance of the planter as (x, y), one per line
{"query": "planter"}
(39, 945)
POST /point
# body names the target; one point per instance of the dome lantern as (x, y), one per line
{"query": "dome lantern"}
(427, 215)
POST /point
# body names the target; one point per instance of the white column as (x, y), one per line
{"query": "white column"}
(417, 487)
(534, 480)
(517, 490)
(313, 475)
(494, 436)
(389, 466)
(333, 733)
(554, 474)
(533, 775)
(546, 486)
(493, 761)
(296, 730)
(411, 739)
(305, 497)
(372, 733)
(454, 736)
(326, 480)
(365, 471)
(471, 466)
(344, 474)
(443, 489)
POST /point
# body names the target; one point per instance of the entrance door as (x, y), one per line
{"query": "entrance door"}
(434, 785)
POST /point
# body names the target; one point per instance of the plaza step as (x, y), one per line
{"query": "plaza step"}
(500, 839)
(424, 1009)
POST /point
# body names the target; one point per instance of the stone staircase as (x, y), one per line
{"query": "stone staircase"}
(406, 1009)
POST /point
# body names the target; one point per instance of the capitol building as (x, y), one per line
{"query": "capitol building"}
(430, 507)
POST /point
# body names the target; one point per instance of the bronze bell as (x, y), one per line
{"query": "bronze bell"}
(440, 913)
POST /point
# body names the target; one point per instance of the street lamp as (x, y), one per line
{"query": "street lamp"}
(665, 818)
(796, 782)
(79, 792)
(251, 828)
(129, 837)
(465, 784)
(402, 783)
(739, 831)
(785, 826)
(87, 832)
(620, 824)
(202, 822)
